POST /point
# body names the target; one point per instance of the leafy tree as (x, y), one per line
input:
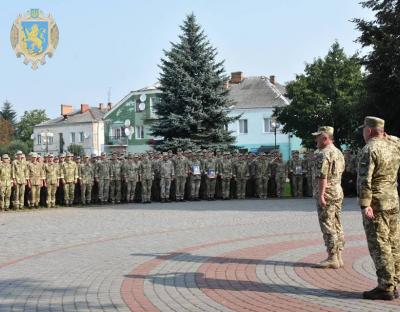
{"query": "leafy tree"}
(6, 131)
(17, 145)
(27, 122)
(193, 108)
(327, 93)
(8, 113)
(382, 36)
(76, 149)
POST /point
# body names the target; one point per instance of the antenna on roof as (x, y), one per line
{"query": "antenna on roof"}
(109, 95)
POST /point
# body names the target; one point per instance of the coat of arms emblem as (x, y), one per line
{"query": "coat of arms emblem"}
(34, 36)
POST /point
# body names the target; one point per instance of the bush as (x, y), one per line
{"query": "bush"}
(76, 149)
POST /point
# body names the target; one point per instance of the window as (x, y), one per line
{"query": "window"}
(72, 137)
(139, 132)
(39, 139)
(267, 125)
(81, 137)
(243, 126)
(50, 139)
(153, 102)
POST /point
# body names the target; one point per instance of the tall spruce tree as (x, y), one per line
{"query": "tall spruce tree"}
(8, 113)
(382, 62)
(193, 111)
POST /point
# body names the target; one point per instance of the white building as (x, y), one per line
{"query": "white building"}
(83, 127)
(255, 98)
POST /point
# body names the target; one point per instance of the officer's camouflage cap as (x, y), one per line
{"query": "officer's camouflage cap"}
(5, 156)
(70, 155)
(324, 129)
(373, 122)
(19, 153)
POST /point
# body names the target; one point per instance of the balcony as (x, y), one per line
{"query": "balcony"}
(117, 140)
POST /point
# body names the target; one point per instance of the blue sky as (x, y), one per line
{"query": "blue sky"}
(119, 43)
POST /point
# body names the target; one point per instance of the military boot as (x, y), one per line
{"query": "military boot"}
(331, 262)
(340, 259)
(378, 294)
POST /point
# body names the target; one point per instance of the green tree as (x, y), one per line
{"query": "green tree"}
(328, 93)
(193, 111)
(17, 145)
(8, 113)
(382, 36)
(76, 149)
(27, 122)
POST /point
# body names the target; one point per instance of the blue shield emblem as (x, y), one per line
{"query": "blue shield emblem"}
(35, 36)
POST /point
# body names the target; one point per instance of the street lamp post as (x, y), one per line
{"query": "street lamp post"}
(274, 125)
(46, 136)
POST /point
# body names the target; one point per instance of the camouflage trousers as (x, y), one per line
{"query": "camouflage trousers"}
(226, 187)
(5, 193)
(180, 187)
(241, 188)
(195, 187)
(104, 190)
(130, 190)
(330, 222)
(115, 191)
(383, 238)
(165, 186)
(280, 182)
(262, 187)
(69, 192)
(297, 185)
(210, 187)
(35, 195)
(19, 196)
(51, 195)
(86, 193)
(146, 190)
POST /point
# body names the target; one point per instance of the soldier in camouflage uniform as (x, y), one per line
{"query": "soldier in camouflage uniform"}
(20, 176)
(262, 175)
(295, 169)
(86, 178)
(52, 175)
(181, 172)
(225, 171)
(167, 174)
(69, 176)
(131, 176)
(5, 183)
(377, 180)
(195, 171)
(146, 176)
(327, 174)
(211, 172)
(219, 158)
(241, 174)
(280, 174)
(60, 189)
(115, 179)
(36, 178)
(102, 176)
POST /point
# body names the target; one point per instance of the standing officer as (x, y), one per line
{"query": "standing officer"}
(181, 172)
(5, 183)
(195, 171)
(102, 177)
(295, 168)
(167, 174)
(146, 175)
(36, 178)
(377, 195)
(86, 178)
(115, 179)
(69, 176)
(225, 170)
(52, 177)
(131, 175)
(328, 169)
(280, 174)
(211, 172)
(20, 176)
(262, 175)
(241, 174)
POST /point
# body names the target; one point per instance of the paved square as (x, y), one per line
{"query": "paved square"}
(249, 255)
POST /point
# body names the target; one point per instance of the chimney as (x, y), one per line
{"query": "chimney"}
(272, 79)
(84, 108)
(236, 77)
(66, 109)
(109, 105)
(102, 106)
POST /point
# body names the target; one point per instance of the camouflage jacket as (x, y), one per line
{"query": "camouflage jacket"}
(69, 172)
(115, 170)
(5, 174)
(181, 166)
(377, 174)
(131, 170)
(167, 169)
(36, 173)
(241, 169)
(262, 168)
(20, 171)
(102, 170)
(86, 173)
(52, 173)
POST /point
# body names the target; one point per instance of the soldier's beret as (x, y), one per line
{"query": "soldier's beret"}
(324, 129)
(5, 156)
(373, 122)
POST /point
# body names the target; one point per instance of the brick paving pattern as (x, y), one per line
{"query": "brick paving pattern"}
(250, 255)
